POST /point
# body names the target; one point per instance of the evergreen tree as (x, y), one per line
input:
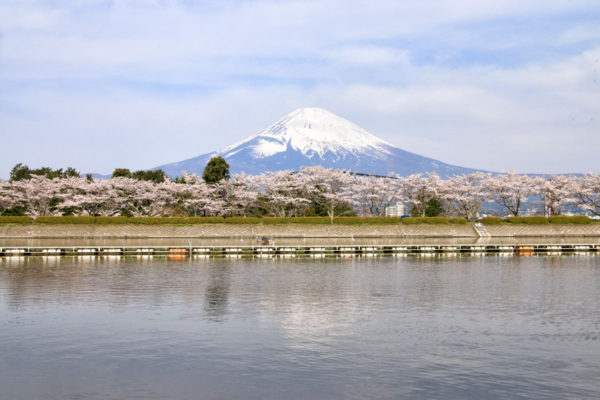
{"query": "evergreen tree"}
(71, 172)
(156, 176)
(433, 208)
(23, 172)
(216, 170)
(20, 172)
(121, 172)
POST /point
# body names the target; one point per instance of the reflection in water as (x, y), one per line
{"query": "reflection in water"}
(217, 290)
(463, 327)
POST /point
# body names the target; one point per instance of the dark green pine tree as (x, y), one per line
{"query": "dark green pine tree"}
(121, 172)
(217, 169)
(20, 172)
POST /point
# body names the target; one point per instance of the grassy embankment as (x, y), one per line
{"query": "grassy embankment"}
(89, 220)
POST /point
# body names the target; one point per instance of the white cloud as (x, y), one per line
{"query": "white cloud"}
(368, 55)
(580, 33)
(97, 84)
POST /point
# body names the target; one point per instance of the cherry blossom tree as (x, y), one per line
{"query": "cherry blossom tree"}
(199, 198)
(373, 194)
(10, 198)
(289, 193)
(334, 185)
(586, 192)
(285, 192)
(85, 197)
(240, 194)
(510, 190)
(419, 190)
(39, 194)
(554, 192)
(464, 194)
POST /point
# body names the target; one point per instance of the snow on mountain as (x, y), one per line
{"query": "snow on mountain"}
(312, 132)
(314, 136)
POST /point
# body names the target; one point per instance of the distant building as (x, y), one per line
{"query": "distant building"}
(397, 210)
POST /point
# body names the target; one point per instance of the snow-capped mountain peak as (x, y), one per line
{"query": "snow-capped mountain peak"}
(311, 131)
(313, 136)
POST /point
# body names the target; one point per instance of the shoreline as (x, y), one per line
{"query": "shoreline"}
(298, 231)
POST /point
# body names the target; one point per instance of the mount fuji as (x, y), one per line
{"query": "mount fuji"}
(314, 136)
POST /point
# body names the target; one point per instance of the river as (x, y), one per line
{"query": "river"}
(359, 328)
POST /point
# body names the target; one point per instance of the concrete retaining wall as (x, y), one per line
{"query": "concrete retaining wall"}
(223, 231)
(543, 230)
(291, 231)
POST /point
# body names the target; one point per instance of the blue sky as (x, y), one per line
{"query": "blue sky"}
(496, 85)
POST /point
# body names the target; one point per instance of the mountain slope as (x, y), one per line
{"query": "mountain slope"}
(313, 136)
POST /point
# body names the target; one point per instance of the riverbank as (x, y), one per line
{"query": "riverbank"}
(295, 231)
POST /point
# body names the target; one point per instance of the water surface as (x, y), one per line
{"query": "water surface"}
(379, 328)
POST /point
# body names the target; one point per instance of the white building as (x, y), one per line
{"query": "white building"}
(397, 210)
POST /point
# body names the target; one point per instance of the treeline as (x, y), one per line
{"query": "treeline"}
(152, 193)
(216, 170)
(119, 220)
(312, 191)
(23, 172)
